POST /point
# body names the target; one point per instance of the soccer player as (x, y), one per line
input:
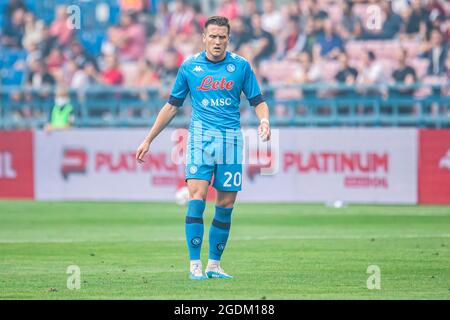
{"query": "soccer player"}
(215, 79)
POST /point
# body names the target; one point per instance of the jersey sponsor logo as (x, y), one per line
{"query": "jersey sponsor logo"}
(197, 69)
(445, 161)
(220, 102)
(231, 67)
(208, 83)
(205, 102)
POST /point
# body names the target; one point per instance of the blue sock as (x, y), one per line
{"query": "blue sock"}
(194, 228)
(219, 231)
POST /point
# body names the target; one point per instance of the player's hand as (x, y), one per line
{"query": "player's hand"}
(264, 131)
(141, 151)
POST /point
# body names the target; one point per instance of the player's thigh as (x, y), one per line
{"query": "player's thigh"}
(228, 177)
(226, 199)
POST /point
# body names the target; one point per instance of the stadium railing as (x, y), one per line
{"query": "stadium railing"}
(314, 105)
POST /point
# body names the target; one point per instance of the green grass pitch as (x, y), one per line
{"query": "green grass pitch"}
(276, 251)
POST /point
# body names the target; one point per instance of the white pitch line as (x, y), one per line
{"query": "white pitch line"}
(241, 238)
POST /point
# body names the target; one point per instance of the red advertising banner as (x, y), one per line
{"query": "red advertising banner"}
(434, 166)
(16, 164)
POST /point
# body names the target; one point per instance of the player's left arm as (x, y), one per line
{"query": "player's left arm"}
(262, 112)
(253, 92)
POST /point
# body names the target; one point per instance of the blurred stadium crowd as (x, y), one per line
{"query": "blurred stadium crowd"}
(363, 44)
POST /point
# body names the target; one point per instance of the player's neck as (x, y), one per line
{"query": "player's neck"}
(213, 59)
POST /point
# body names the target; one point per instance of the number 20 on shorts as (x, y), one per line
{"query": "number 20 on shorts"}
(236, 179)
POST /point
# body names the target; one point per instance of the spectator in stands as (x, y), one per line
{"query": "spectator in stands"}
(346, 75)
(435, 51)
(229, 9)
(147, 75)
(294, 11)
(47, 42)
(181, 19)
(240, 35)
(317, 14)
(309, 73)
(404, 75)
(350, 24)
(62, 112)
(316, 11)
(10, 8)
(372, 73)
(55, 60)
(436, 14)
(131, 39)
(15, 30)
(34, 31)
(416, 21)
(331, 44)
(60, 30)
(250, 8)
(40, 81)
(271, 19)
(38, 75)
(391, 26)
(294, 40)
(262, 43)
(112, 75)
(168, 71)
(77, 53)
(199, 18)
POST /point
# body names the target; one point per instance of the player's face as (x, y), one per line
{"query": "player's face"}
(216, 40)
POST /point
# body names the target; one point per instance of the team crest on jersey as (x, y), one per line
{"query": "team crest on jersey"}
(231, 67)
(193, 169)
(197, 69)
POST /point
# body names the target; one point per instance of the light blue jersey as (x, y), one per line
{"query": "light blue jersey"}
(215, 89)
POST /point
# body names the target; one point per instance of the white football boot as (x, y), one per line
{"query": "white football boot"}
(215, 271)
(196, 272)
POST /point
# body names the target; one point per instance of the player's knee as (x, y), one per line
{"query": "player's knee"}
(197, 194)
(225, 203)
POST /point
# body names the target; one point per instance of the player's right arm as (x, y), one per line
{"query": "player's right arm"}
(179, 92)
(165, 115)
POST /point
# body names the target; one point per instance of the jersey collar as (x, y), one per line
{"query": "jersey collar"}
(215, 62)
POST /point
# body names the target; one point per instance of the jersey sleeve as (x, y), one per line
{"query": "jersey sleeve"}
(180, 88)
(251, 87)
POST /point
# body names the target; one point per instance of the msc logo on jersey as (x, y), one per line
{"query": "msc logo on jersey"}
(218, 102)
(197, 69)
(231, 67)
